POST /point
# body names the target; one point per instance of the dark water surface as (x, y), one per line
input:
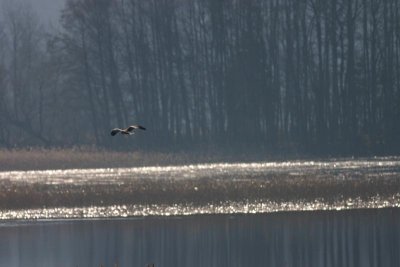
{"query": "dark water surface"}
(338, 212)
(367, 237)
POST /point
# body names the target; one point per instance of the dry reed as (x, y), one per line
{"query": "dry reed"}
(71, 158)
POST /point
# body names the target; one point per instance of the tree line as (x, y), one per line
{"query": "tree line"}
(305, 76)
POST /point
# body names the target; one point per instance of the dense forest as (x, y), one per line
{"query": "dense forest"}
(296, 76)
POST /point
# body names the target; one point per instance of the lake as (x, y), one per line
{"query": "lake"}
(337, 212)
(367, 237)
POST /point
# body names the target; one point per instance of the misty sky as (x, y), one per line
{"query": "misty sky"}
(47, 10)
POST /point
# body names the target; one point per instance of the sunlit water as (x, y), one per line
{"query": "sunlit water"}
(281, 214)
(201, 189)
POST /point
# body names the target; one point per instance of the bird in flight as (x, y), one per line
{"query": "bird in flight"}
(127, 131)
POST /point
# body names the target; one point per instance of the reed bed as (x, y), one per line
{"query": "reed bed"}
(76, 158)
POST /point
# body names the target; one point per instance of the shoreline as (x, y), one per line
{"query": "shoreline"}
(87, 158)
(47, 159)
(25, 159)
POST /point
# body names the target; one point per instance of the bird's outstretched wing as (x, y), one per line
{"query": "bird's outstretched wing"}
(134, 127)
(115, 131)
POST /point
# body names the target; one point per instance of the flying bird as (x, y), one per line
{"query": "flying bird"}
(127, 131)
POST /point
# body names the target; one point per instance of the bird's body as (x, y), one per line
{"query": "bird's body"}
(127, 131)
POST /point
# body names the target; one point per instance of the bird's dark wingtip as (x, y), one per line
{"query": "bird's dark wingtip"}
(114, 132)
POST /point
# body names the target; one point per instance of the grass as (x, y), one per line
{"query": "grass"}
(35, 159)
(116, 265)
(71, 158)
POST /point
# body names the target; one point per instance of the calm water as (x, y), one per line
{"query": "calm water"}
(319, 238)
(342, 212)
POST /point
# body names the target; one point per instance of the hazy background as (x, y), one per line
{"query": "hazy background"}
(47, 10)
(284, 76)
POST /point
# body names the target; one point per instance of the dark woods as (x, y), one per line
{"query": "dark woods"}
(309, 76)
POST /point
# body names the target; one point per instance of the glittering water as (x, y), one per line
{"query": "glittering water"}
(201, 189)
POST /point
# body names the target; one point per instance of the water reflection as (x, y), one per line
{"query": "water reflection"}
(346, 238)
(201, 189)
